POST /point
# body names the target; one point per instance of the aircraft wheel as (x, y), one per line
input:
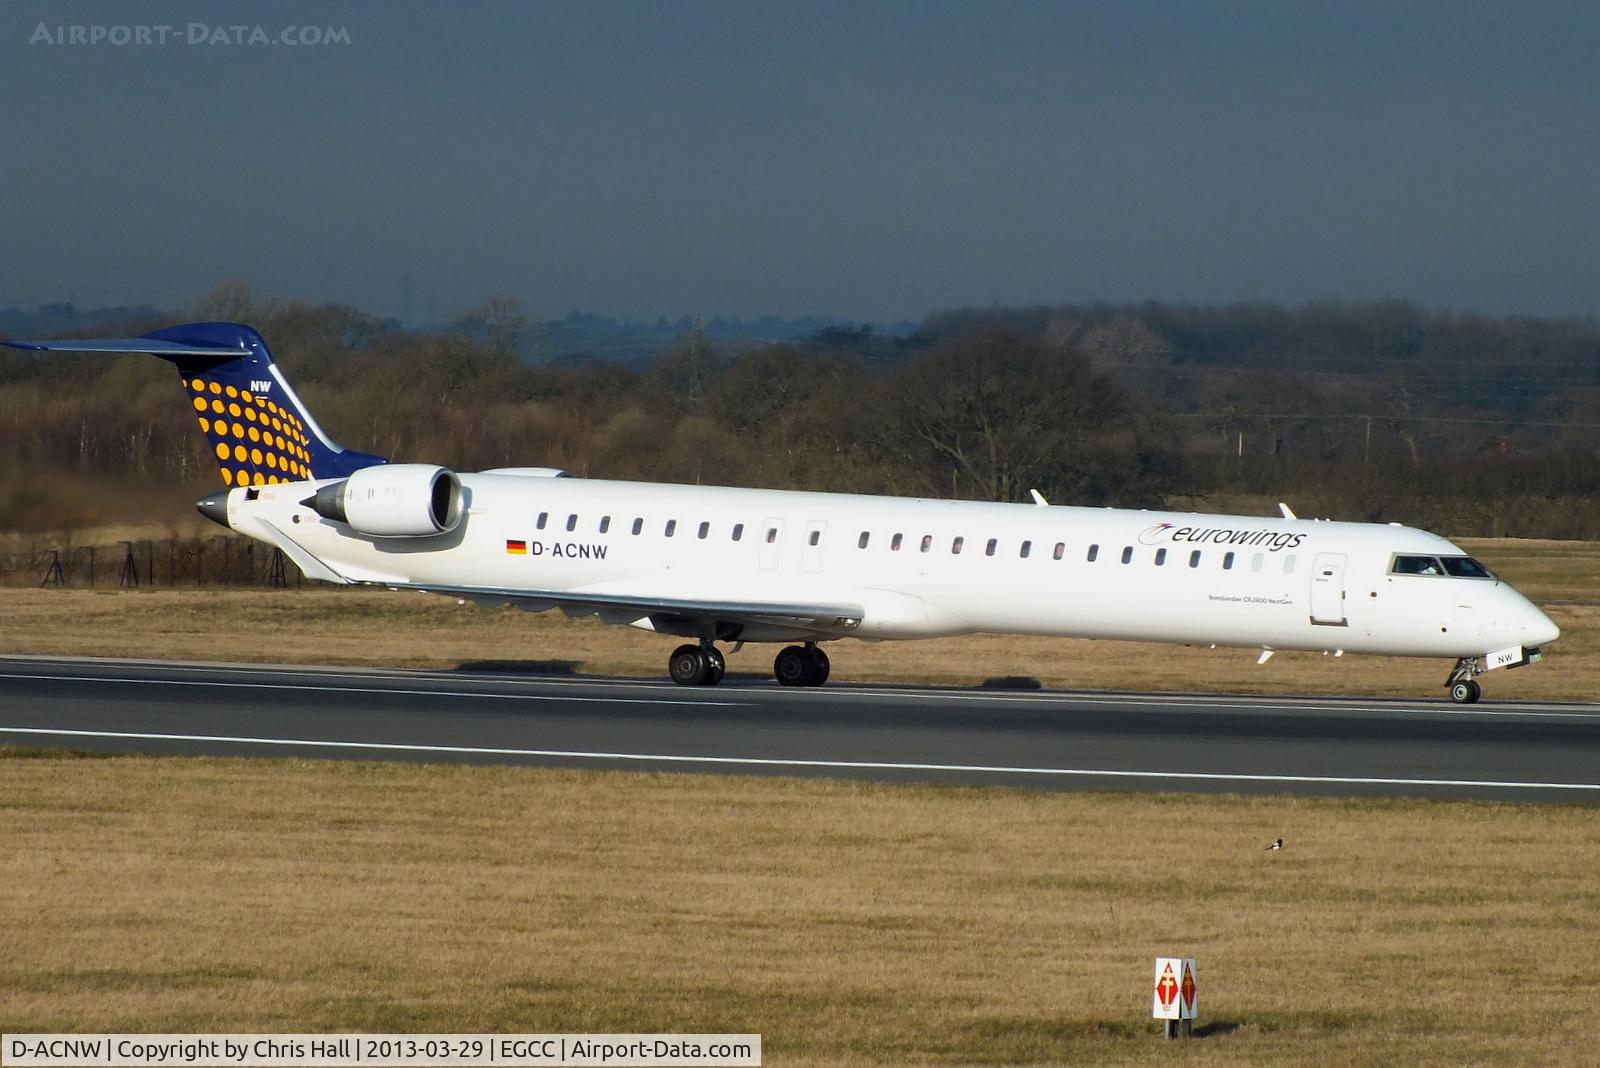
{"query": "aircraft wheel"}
(819, 666)
(1465, 692)
(689, 666)
(718, 666)
(792, 667)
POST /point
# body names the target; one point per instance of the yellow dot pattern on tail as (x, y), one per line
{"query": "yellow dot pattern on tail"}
(237, 423)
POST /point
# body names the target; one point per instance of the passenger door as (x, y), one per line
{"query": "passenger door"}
(1327, 590)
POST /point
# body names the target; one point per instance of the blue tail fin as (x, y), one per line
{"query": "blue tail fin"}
(258, 429)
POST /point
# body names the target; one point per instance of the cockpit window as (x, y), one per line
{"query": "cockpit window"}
(1453, 566)
(1465, 567)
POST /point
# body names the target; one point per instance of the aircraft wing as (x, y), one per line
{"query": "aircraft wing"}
(615, 607)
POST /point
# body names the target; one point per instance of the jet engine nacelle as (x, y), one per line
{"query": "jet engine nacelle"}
(393, 501)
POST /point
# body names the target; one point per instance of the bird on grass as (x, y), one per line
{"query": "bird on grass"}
(1275, 846)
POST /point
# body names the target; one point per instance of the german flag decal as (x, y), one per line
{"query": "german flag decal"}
(517, 548)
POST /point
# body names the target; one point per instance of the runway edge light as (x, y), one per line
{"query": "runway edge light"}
(1175, 995)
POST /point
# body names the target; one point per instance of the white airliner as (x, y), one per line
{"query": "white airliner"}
(718, 564)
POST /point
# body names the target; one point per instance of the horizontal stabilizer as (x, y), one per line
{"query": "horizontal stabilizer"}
(255, 425)
(125, 345)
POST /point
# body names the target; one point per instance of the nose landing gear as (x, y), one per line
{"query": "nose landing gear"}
(1463, 690)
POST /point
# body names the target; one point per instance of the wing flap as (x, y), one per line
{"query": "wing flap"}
(613, 605)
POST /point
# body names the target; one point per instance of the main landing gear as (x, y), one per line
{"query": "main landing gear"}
(696, 665)
(703, 665)
(801, 665)
(1463, 690)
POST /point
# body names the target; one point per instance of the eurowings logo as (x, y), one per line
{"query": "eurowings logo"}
(1271, 540)
(1157, 533)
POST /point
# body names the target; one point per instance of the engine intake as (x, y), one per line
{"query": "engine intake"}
(393, 501)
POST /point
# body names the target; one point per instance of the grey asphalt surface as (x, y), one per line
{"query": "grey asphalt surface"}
(1032, 738)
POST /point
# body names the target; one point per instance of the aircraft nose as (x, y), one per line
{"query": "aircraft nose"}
(1541, 629)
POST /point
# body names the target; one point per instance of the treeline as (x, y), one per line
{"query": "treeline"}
(1380, 411)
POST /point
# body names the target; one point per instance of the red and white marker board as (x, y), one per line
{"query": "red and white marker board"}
(1175, 994)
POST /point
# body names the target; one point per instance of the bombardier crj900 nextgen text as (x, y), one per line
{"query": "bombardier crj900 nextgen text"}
(747, 565)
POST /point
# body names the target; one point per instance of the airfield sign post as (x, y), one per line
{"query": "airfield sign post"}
(1175, 995)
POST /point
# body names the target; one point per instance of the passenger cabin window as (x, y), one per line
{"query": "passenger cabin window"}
(705, 528)
(738, 531)
(1194, 558)
(1161, 557)
(861, 543)
(1061, 550)
(1256, 561)
(955, 546)
(1227, 561)
(1127, 554)
(816, 536)
(1027, 547)
(672, 527)
(572, 522)
(544, 517)
(1094, 553)
(994, 543)
(1288, 564)
(605, 523)
(894, 543)
(638, 525)
(927, 542)
(772, 535)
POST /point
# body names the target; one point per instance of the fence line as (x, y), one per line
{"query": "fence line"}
(166, 563)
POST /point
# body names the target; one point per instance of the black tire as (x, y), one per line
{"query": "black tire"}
(819, 666)
(688, 666)
(792, 667)
(718, 666)
(1465, 692)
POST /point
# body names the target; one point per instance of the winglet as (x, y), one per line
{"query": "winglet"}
(1284, 508)
(1038, 498)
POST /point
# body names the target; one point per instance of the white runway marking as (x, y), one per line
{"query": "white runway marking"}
(774, 762)
(489, 694)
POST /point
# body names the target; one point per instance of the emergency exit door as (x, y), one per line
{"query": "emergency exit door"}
(771, 543)
(811, 551)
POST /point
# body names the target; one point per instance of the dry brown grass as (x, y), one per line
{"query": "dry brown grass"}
(1544, 570)
(418, 630)
(848, 923)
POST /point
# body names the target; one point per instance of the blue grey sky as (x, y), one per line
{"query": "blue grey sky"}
(869, 160)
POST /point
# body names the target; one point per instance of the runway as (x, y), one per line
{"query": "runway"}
(1038, 739)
